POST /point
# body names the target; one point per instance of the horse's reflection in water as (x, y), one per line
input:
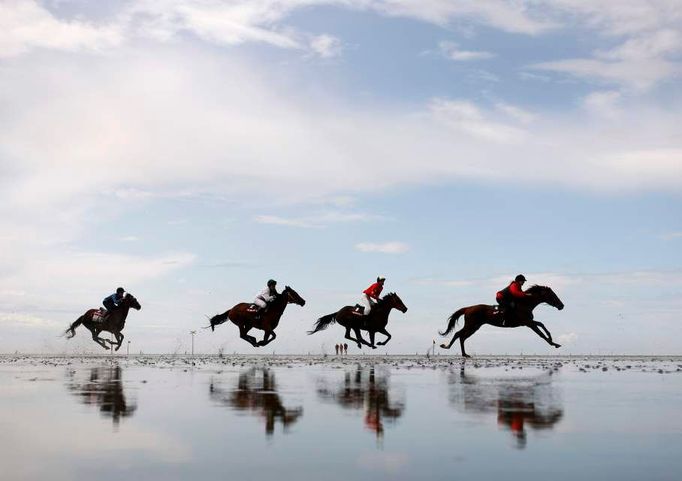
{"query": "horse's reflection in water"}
(519, 402)
(366, 389)
(102, 387)
(257, 393)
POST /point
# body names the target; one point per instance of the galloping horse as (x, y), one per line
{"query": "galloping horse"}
(476, 316)
(245, 318)
(113, 322)
(374, 322)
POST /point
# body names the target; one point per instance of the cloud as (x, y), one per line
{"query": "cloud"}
(671, 236)
(452, 51)
(468, 118)
(567, 338)
(383, 248)
(326, 46)
(25, 25)
(317, 220)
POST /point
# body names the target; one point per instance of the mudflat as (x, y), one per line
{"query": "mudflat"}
(340, 417)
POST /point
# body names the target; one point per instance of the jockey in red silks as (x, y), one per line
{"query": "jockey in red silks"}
(370, 296)
(508, 296)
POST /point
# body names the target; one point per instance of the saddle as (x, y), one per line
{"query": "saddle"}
(99, 315)
(252, 308)
(358, 309)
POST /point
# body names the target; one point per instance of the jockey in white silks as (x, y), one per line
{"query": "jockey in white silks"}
(266, 296)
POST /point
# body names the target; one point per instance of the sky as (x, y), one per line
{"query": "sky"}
(189, 150)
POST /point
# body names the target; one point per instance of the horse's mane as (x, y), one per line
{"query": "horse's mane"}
(387, 297)
(535, 288)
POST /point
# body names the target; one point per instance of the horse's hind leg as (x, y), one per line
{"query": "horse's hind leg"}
(465, 333)
(454, 338)
(348, 336)
(266, 341)
(243, 334)
(99, 340)
(358, 334)
(371, 339)
(388, 337)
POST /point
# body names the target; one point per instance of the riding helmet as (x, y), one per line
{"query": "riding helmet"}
(272, 282)
(520, 278)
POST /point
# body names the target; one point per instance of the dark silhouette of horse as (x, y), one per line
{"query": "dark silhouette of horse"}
(366, 389)
(519, 402)
(246, 318)
(103, 388)
(476, 316)
(257, 393)
(374, 322)
(113, 322)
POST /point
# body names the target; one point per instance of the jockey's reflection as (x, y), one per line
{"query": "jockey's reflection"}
(367, 389)
(104, 388)
(519, 402)
(257, 393)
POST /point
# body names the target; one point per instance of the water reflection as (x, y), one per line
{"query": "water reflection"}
(102, 387)
(518, 402)
(366, 389)
(256, 393)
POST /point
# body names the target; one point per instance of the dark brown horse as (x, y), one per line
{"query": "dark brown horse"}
(374, 322)
(246, 318)
(476, 316)
(113, 322)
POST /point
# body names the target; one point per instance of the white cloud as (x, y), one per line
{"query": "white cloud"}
(452, 51)
(317, 220)
(25, 25)
(326, 46)
(466, 117)
(672, 235)
(383, 248)
(604, 103)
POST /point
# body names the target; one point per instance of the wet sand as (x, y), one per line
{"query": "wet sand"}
(357, 417)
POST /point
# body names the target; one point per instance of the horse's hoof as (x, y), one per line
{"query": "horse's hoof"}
(373, 347)
(557, 345)
(466, 356)
(443, 346)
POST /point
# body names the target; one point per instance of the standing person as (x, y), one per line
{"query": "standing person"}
(370, 296)
(336, 348)
(265, 297)
(345, 347)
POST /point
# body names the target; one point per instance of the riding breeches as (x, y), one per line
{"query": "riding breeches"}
(260, 303)
(367, 303)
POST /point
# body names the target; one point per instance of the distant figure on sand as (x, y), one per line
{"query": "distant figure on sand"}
(336, 348)
(345, 348)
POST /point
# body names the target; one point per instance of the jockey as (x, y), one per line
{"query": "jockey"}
(113, 301)
(508, 297)
(266, 296)
(370, 296)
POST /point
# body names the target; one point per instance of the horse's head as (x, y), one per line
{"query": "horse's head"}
(130, 301)
(395, 302)
(293, 297)
(547, 295)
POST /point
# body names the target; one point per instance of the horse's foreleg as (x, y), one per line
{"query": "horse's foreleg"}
(534, 327)
(388, 337)
(549, 334)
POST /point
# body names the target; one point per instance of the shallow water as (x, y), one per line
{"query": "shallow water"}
(250, 418)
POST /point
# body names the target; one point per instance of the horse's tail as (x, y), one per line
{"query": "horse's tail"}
(452, 321)
(71, 331)
(219, 319)
(323, 323)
